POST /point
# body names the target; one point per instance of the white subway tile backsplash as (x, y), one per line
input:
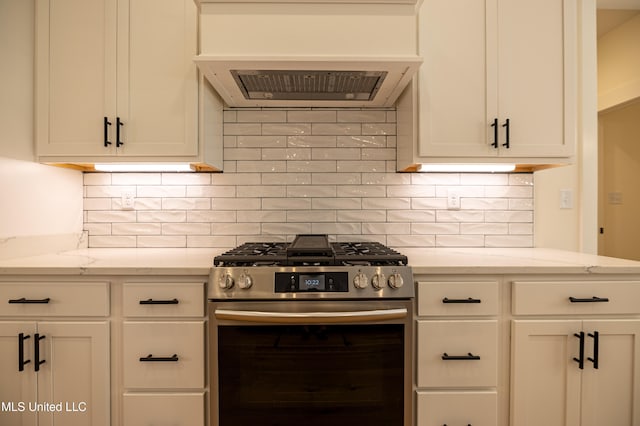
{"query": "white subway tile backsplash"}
(300, 170)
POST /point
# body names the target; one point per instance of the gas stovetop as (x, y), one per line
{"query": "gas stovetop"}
(311, 250)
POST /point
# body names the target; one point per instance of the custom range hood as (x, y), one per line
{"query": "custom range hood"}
(308, 54)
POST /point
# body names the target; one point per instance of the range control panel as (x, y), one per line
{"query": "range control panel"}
(295, 282)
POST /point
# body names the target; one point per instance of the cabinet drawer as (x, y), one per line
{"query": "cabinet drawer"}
(457, 353)
(576, 297)
(163, 354)
(457, 408)
(163, 299)
(457, 298)
(176, 409)
(25, 299)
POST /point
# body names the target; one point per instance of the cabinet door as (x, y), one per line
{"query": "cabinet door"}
(456, 78)
(545, 379)
(75, 373)
(17, 388)
(75, 76)
(537, 76)
(157, 78)
(611, 393)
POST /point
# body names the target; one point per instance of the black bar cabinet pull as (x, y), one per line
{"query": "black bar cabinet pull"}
(119, 123)
(495, 133)
(27, 301)
(107, 123)
(596, 345)
(580, 360)
(36, 352)
(469, 424)
(468, 300)
(151, 358)
(594, 299)
(159, 302)
(506, 140)
(467, 357)
(21, 361)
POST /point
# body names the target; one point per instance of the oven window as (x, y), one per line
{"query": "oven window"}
(334, 375)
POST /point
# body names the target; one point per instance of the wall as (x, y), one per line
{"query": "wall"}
(619, 65)
(41, 207)
(309, 171)
(620, 132)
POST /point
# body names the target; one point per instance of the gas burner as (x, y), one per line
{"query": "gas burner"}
(311, 250)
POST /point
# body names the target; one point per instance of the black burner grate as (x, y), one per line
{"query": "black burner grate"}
(301, 253)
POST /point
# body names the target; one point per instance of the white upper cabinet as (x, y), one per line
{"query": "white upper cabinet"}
(498, 83)
(116, 81)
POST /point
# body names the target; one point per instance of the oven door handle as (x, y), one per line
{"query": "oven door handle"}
(311, 317)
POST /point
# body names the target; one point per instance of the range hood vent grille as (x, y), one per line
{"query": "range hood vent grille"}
(308, 84)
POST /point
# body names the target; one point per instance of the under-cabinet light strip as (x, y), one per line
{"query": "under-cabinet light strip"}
(462, 168)
(178, 167)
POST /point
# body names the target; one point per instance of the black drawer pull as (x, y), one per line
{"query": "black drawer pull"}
(159, 302)
(469, 424)
(36, 350)
(596, 344)
(24, 300)
(151, 358)
(580, 359)
(468, 357)
(21, 361)
(591, 300)
(468, 300)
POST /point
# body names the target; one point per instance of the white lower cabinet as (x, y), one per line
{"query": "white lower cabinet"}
(581, 369)
(175, 409)
(163, 354)
(54, 372)
(576, 373)
(457, 354)
(477, 408)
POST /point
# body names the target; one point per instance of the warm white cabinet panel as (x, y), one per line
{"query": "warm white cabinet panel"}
(63, 363)
(115, 80)
(493, 87)
(457, 353)
(76, 372)
(164, 354)
(75, 75)
(163, 299)
(477, 408)
(19, 384)
(176, 409)
(457, 298)
(551, 388)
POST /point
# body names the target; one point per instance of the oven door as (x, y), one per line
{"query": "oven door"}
(311, 363)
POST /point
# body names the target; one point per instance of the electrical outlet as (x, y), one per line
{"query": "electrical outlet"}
(128, 199)
(566, 199)
(453, 199)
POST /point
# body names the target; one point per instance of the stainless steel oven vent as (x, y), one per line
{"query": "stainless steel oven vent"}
(309, 85)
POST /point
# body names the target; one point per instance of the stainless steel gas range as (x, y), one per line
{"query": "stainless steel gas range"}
(311, 332)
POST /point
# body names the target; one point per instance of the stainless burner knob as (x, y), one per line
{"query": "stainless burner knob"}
(226, 281)
(360, 281)
(378, 281)
(245, 281)
(395, 280)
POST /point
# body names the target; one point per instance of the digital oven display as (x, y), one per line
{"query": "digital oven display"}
(312, 282)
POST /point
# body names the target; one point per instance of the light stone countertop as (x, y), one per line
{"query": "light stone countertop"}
(150, 261)
(514, 260)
